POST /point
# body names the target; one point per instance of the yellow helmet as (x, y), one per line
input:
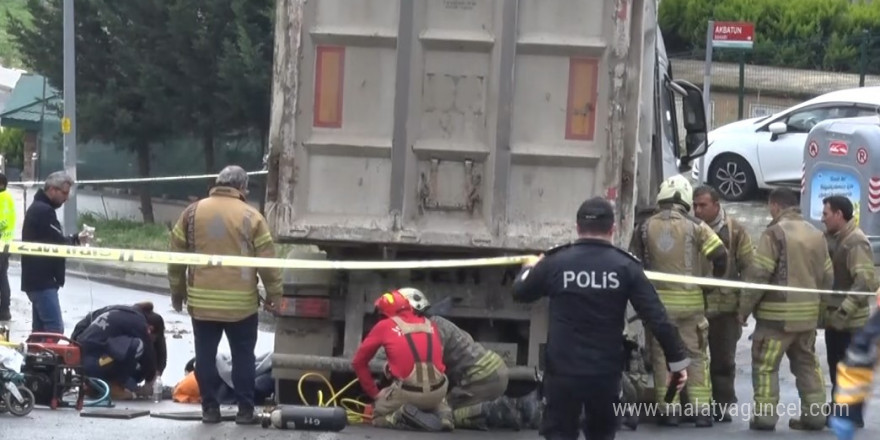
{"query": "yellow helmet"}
(676, 189)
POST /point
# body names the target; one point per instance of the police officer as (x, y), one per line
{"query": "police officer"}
(721, 303)
(589, 283)
(853, 263)
(672, 241)
(791, 252)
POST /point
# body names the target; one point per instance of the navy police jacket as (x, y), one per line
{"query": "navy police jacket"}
(589, 283)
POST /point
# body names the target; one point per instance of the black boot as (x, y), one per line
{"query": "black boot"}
(671, 421)
(245, 416)
(703, 421)
(211, 415)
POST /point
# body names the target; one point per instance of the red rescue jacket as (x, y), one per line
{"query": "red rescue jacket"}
(400, 356)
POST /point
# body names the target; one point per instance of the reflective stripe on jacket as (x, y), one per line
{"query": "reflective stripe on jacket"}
(790, 252)
(853, 262)
(671, 241)
(740, 252)
(223, 224)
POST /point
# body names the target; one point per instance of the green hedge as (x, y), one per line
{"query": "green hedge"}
(807, 34)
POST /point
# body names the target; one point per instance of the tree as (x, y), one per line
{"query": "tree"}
(246, 66)
(12, 147)
(121, 71)
(9, 56)
(223, 50)
(197, 27)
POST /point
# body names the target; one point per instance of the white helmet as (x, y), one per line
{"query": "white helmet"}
(676, 189)
(416, 298)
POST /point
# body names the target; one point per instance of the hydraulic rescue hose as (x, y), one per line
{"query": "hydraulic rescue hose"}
(355, 416)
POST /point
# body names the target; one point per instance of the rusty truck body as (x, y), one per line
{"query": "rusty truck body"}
(434, 129)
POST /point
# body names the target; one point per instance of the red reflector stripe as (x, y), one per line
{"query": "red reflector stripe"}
(329, 72)
(580, 120)
(305, 307)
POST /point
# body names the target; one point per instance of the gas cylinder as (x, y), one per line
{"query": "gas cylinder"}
(306, 418)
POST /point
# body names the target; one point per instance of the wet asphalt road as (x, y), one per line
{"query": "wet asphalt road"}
(81, 295)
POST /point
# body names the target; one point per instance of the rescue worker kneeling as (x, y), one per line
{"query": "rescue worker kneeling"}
(118, 348)
(417, 395)
(477, 376)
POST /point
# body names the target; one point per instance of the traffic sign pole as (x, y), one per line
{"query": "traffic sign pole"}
(69, 121)
(707, 80)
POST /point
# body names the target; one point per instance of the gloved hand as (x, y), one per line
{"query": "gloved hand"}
(177, 303)
(843, 429)
(837, 319)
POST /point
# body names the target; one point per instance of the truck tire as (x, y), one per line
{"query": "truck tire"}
(733, 178)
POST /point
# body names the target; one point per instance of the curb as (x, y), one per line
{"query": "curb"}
(120, 276)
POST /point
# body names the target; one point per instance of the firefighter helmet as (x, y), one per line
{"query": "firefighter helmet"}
(392, 303)
(676, 189)
(416, 298)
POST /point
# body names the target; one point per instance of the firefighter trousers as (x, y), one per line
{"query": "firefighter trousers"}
(694, 332)
(768, 347)
(386, 408)
(470, 401)
(724, 333)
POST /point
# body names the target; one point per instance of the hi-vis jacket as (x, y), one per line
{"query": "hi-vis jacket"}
(791, 252)
(7, 216)
(672, 241)
(740, 252)
(223, 224)
(853, 263)
(855, 374)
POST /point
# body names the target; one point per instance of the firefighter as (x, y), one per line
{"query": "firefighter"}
(855, 373)
(672, 241)
(417, 394)
(853, 262)
(791, 252)
(589, 283)
(721, 303)
(477, 376)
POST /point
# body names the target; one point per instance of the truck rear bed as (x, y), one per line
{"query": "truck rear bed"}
(450, 123)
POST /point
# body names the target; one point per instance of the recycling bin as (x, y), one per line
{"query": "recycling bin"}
(842, 157)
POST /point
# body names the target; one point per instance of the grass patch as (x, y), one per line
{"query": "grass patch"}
(126, 234)
(130, 234)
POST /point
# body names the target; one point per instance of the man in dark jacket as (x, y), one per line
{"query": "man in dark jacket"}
(117, 347)
(154, 320)
(589, 283)
(41, 277)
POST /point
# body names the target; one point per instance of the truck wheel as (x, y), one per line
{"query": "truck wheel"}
(732, 177)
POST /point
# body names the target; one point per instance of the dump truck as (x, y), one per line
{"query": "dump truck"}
(444, 129)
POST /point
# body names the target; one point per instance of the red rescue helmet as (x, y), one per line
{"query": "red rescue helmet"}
(392, 303)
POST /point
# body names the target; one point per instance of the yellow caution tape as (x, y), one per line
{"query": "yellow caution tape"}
(193, 259)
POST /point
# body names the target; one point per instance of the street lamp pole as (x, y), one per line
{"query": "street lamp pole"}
(68, 122)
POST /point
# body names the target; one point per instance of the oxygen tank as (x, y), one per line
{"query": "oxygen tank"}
(306, 418)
